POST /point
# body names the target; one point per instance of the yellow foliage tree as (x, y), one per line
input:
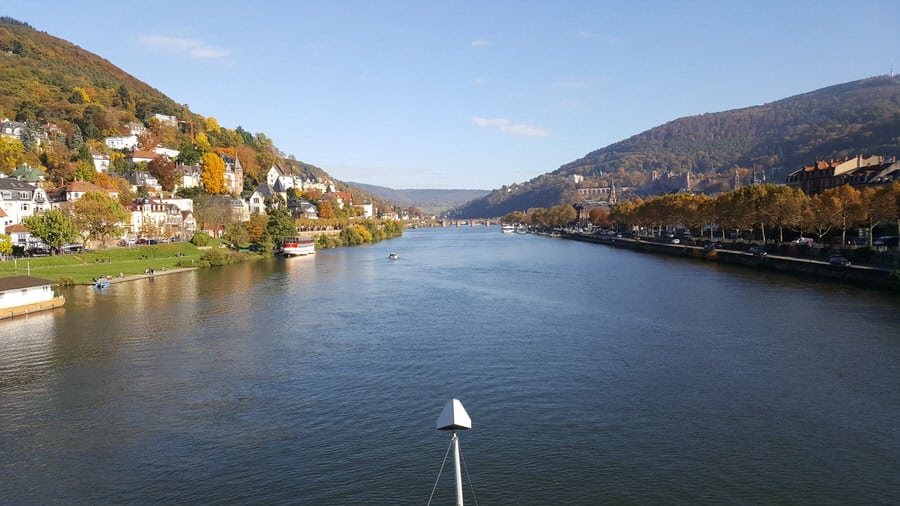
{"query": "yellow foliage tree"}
(212, 125)
(214, 174)
(11, 151)
(202, 143)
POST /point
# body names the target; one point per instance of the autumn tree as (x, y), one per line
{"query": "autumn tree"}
(11, 151)
(326, 210)
(513, 217)
(148, 229)
(256, 227)
(214, 174)
(247, 156)
(6, 246)
(163, 170)
(126, 193)
(848, 207)
(213, 212)
(820, 216)
(878, 205)
(599, 217)
(98, 215)
(53, 228)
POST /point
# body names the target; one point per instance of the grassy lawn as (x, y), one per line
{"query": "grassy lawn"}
(82, 267)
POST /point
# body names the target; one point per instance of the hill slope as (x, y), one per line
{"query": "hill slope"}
(429, 201)
(40, 75)
(46, 79)
(771, 139)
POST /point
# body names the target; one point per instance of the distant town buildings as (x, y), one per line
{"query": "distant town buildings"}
(858, 172)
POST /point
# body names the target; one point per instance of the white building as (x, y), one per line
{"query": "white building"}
(19, 199)
(122, 142)
(24, 294)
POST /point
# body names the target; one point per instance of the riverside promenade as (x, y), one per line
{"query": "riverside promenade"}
(863, 275)
(134, 277)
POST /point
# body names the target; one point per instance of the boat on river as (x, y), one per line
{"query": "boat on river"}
(296, 246)
(393, 256)
(101, 283)
(507, 228)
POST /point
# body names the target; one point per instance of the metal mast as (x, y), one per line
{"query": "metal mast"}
(454, 417)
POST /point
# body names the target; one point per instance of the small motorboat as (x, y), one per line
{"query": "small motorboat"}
(393, 256)
(101, 283)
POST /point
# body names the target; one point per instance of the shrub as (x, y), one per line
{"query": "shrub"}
(216, 257)
(201, 239)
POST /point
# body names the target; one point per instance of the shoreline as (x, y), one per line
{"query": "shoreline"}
(134, 277)
(860, 275)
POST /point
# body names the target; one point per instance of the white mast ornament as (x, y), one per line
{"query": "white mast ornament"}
(454, 417)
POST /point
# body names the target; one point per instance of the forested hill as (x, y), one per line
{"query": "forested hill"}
(771, 140)
(429, 201)
(45, 80)
(45, 77)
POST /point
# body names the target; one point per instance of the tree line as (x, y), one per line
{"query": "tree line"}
(765, 211)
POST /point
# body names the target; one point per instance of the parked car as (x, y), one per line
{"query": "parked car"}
(806, 241)
(887, 240)
(838, 260)
(153, 241)
(712, 245)
(142, 241)
(757, 251)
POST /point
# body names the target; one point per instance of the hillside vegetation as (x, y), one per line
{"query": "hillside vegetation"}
(46, 80)
(768, 141)
(431, 202)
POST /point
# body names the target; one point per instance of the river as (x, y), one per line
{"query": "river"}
(592, 375)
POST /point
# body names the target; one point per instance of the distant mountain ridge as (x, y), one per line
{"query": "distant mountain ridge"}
(429, 201)
(770, 140)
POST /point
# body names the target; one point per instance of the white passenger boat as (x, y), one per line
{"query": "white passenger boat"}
(297, 246)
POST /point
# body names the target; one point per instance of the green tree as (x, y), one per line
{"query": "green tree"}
(188, 154)
(85, 171)
(53, 228)
(280, 224)
(236, 235)
(98, 215)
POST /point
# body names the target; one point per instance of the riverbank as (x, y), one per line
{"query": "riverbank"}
(863, 275)
(151, 274)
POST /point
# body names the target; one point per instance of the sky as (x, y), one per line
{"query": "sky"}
(472, 94)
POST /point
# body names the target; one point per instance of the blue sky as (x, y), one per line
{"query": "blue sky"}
(472, 94)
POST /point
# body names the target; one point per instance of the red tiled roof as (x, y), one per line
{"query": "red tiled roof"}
(18, 227)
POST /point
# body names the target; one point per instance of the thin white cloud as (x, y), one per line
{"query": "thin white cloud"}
(192, 48)
(587, 34)
(480, 43)
(571, 85)
(508, 127)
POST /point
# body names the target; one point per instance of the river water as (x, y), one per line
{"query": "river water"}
(592, 375)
